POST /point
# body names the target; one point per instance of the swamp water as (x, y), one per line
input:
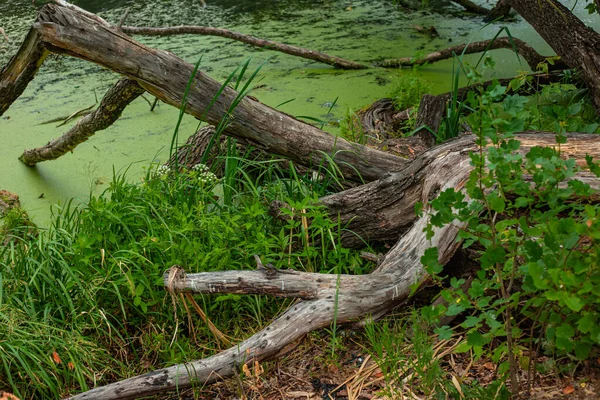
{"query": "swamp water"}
(363, 31)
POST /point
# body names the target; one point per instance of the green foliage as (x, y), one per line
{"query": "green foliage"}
(535, 229)
(408, 89)
(98, 270)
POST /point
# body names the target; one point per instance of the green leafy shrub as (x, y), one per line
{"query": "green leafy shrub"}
(537, 232)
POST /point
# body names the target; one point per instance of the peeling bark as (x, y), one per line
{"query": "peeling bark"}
(337, 62)
(112, 105)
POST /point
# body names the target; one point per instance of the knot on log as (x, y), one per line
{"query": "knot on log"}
(175, 276)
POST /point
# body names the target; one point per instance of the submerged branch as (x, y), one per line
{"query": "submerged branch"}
(251, 40)
(110, 109)
(531, 56)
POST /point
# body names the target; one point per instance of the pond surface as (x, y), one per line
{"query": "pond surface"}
(363, 31)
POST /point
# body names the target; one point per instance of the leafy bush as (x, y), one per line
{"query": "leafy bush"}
(537, 234)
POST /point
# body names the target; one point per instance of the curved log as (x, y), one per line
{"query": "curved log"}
(383, 210)
(530, 55)
(67, 31)
(112, 105)
(352, 299)
(337, 62)
(344, 298)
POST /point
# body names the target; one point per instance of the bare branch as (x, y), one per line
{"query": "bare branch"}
(110, 109)
(530, 55)
(251, 40)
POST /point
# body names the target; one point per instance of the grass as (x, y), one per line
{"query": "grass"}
(98, 270)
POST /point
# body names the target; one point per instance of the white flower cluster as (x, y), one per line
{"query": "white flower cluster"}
(163, 170)
(204, 176)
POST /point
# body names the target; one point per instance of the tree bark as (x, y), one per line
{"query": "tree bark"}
(531, 56)
(114, 102)
(500, 10)
(383, 210)
(578, 45)
(21, 69)
(431, 112)
(67, 31)
(357, 297)
(472, 7)
(337, 62)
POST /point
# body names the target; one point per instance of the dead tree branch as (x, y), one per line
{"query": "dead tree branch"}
(531, 56)
(358, 297)
(337, 62)
(110, 109)
(67, 31)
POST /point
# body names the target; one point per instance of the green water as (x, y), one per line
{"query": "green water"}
(364, 31)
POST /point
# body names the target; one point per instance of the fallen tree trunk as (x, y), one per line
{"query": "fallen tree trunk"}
(326, 298)
(110, 109)
(337, 62)
(531, 56)
(65, 30)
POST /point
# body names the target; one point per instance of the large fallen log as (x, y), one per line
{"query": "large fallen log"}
(343, 298)
(66, 30)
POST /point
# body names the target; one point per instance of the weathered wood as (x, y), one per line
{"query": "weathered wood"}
(357, 297)
(431, 112)
(68, 31)
(20, 70)
(110, 109)
(337, 62)
(531, 56)
(577, 44)
(382, 210)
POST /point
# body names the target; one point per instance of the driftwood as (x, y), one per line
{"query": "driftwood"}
(65, 30)
(530, 55)
(382, 210)
(251, 40)
(110, 109)
(344, 298)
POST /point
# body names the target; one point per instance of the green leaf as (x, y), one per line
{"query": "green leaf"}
(443, 332)
(477, 339)
(582, 350)
(471, 321)
(565, 331)
(496, 202)
(430, 261)
(454, 309)
(574, 303)
(586, 323)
